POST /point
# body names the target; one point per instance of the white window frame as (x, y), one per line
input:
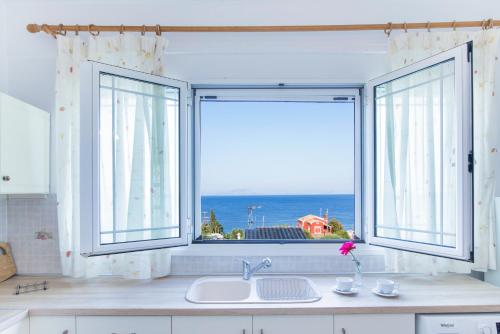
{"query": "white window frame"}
(463, 91)
(298, 94)
(89, 162)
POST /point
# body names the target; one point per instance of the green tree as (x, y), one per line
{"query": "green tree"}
(213, 226)
(235, 232)
(336, 225)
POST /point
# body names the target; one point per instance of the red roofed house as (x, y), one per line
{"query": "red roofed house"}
(316, 226)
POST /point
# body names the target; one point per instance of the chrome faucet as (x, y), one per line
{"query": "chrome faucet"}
(248, 271)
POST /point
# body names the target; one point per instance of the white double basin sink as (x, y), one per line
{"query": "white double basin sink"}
(266, 289)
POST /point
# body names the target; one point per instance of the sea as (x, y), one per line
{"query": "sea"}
(277, 210)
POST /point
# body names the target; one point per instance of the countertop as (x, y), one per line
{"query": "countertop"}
(114, 296)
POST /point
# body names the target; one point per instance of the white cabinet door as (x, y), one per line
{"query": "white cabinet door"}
(123, 325)
(52, 325)
(374, 324)
(22, 327)
(212, 325)
(24, 147)
(310, 324)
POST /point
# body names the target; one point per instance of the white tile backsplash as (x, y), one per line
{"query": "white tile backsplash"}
(32, 234)
(321, 264)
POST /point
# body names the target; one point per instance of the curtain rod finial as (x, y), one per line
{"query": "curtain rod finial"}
(33, 28)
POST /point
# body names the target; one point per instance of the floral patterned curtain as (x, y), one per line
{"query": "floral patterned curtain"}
(142, 53)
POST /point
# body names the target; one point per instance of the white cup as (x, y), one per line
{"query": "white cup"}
(344, 284)
(386, 286)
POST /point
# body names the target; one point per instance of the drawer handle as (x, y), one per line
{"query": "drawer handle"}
(344, 331)
(261, 331)
(65, 331)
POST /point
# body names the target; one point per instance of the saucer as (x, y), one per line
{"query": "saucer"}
(350, 292)
(394, 293)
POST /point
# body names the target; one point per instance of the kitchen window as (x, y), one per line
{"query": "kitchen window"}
(279, 164)
(133, 161)
(419, 191)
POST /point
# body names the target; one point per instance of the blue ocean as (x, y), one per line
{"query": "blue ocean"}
(273, 210)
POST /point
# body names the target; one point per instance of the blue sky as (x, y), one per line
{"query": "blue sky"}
(277, 148)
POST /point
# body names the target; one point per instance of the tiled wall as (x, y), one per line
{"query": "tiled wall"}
(226, 265)
(32, 234)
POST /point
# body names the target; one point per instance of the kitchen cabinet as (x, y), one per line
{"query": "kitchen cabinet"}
(52, 325)
(24, 147)
(293, 324)
(212, 324)
(123, 325)
(374, 324)
(22, 327)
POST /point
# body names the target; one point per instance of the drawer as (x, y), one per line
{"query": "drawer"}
(52, 325)
(374, 324)
(212, 324)
(123, 325)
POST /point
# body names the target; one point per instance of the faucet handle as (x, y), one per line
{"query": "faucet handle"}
(267, 261)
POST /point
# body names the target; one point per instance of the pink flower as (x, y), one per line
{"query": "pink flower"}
(347, 247)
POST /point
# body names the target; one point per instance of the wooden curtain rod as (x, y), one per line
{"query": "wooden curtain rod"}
(387, 27)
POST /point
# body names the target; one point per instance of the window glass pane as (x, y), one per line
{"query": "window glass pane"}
(416, 157)
(139, 160)
(273, 170)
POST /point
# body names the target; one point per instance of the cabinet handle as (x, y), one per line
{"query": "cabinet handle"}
(6, 178)
(244, 332)
(344, 331)
(261, 331)
(65, 331)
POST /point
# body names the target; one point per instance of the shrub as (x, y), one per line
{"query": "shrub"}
(336, 225)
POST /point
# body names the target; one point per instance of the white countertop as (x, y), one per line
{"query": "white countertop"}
(166, 296)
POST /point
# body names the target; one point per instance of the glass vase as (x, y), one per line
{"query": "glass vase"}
(358, 274)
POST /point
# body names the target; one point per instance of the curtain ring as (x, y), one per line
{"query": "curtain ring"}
(489, 24)
(45, 28)
(77, 30)
(61, 31)
(93, 33)
(158, 30)
(143, 32)
(405, 27)
(388, 30)
(428, 26)
(454, 25)
(122, 29)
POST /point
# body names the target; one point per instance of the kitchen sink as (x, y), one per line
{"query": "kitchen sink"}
(275, 289)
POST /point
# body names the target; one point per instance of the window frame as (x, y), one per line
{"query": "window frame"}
(275, 93)
(90, 244)
(463, 87)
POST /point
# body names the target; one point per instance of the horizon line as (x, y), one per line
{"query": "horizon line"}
(229, 195)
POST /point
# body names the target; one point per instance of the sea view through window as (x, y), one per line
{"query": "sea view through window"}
(277, 170)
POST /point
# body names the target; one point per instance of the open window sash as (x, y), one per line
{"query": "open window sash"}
(133, 162)
(418, 177)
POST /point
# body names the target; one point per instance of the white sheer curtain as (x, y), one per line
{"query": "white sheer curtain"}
(131, 51)
(404, 50)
